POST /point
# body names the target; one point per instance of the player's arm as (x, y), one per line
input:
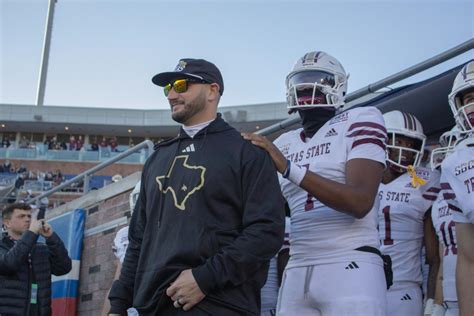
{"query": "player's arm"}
(355, 197)
(465, 268)
(432, 253)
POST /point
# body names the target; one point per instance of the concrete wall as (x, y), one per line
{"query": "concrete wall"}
(107, 210)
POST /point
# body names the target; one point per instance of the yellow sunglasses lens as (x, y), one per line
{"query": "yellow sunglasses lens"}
(180, 86)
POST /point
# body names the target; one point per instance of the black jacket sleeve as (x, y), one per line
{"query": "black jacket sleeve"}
(263, 230)
(58, 256)
(121, 293)
(13, 259)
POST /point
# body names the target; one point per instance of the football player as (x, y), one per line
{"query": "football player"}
(119, 248)
(446, 301)
(406, 194)
(457, 183)
(329, 172)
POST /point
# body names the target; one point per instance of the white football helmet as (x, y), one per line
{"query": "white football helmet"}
(316, 80)
(447, 141)
(463, 113)
(134, 196)
(404, 124)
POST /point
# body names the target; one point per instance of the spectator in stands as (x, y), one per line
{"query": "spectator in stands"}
(7, 166)
(20, 181)
(94, 146)
(79, 143)
(72, 143)
(57, 177)
(113, 144)
(5, 142)
(24, 143)
(104, 146)
(22, 169)
(48, 176)
(62, 146)
(26, 265)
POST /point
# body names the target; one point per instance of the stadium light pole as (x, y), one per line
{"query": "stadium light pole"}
(45, 54)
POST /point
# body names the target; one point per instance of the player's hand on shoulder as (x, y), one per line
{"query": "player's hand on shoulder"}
(275, 153)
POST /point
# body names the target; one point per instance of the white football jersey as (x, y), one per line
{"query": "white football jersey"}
(457, 182)
(401, 214)
(269, 292)
(121, 243)
(445, 228)
(320, 234)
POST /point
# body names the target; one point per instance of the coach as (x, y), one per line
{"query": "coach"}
(209, 216)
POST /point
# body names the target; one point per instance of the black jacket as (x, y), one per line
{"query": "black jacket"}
(15, 274)
(211, 203)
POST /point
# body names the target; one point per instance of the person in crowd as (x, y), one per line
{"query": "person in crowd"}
(329, 172)
(26, 265)
(5, 142)
(204, 228)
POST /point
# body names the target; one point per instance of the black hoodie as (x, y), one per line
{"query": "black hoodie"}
(212, 204)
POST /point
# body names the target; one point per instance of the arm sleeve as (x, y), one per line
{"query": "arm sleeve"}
(13, 259)
(262, 229)
(367, 136)
(121, 293)
(58, 256)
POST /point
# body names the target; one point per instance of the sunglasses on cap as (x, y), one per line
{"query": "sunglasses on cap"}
(180, 85)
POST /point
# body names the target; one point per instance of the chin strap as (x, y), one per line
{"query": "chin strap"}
(416, 181)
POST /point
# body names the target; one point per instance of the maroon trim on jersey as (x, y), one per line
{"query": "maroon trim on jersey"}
(449, 196)
(368, 133)
(368, 124)
(445, 185)
(429, 197)
(454, 208)
(363, 141)
(433, 189)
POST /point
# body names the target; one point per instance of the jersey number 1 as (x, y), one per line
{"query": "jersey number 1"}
(388, 233)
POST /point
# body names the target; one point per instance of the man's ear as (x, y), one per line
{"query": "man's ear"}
(6, 223)
(213, 92)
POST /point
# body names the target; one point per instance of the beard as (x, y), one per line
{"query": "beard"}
(189, 109)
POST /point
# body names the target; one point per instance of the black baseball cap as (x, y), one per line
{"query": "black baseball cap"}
(189, 68)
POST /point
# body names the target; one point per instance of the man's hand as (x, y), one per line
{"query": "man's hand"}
(275, 153)
(184, 291)
(46, 230)
(35, 224)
